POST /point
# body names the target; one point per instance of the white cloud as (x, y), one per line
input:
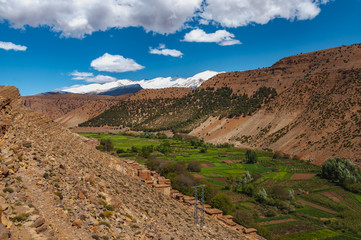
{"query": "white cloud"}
(236, 13)
(11, 46)
(115, 63)
(161, 50)
(101, 79)
(77, 18)
(221, 37)
(81, 75)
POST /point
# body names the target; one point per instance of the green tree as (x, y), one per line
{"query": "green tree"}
(251, 156)
(222, 202)
(341, 171)
(194, 166)
(262, 195)
(107, 145)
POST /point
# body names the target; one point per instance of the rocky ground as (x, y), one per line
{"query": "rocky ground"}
(55, 185)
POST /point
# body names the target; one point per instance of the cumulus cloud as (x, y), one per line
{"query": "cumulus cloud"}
(115, 63)
(236, 13)
(162, 50)
(77, 18)
(221, 37)
(11, 46)
(81, 75)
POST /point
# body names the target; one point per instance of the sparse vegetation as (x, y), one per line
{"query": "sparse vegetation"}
(154, 114)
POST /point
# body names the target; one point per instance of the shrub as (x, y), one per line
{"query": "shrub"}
(8, 189)
(262, 195)
(244, 217)
(222, 202)
(21, 217)
(251, 156)
(194, 166)
(104, 223)
(107, 145)
(120, 150)
(108, 214)
(341, 171)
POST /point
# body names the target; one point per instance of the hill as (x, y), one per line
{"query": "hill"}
(71, 109)
(56, 185)
(306, 105)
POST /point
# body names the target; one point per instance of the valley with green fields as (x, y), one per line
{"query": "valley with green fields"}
(280, 195)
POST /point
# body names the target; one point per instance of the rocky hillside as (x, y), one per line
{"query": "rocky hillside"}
(55, 185)
(71, 109)
(316, 114)
(312, 109)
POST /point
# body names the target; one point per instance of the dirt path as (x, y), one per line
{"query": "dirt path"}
(316, 206)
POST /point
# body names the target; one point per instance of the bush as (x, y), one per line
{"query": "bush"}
(279, 192)
(120, 150)
(262, 195)
(244, 218)
(251, 156)
(341, 171)
(8, 189)
(354, 187)
(107, 145)
(222, 202)
(194, 166)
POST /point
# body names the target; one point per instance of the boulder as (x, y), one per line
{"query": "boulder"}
(38, 222)
(77, 223)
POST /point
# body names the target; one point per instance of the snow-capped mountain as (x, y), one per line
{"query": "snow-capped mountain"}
(156, 83)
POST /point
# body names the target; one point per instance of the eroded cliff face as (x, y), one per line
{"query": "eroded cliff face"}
(57, 186)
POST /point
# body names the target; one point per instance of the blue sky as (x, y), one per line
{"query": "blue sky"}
(46, 46)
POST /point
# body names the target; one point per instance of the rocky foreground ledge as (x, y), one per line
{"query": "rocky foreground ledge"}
(56, 186)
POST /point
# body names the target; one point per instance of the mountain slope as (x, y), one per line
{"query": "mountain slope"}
(71, 109)
(65, 189)
(315, 113)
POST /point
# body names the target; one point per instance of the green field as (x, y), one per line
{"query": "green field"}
(220, 164)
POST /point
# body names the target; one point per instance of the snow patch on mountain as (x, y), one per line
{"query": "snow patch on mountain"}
(156, 83)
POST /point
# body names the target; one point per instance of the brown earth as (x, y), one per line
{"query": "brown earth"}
(71, 109)
(277, 221)
(316, 206)
(331, 196)
(220, 179)
(302, 176)
(66, 189)
(208, 165)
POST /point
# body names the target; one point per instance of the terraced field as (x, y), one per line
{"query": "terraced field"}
(320, 209)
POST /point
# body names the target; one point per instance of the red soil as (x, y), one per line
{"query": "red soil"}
(302, 176)
(316, 206)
